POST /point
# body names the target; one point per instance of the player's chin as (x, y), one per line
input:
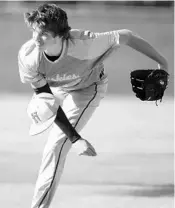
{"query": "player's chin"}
(41, 48)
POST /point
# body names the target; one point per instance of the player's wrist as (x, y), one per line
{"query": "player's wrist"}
(163, 66)
(75, 139)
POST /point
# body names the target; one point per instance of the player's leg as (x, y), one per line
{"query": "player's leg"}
(79, 107)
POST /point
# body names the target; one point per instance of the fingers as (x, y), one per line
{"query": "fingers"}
(92, 151)
(89, 152)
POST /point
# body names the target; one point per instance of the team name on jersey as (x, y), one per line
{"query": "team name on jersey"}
(64, 77)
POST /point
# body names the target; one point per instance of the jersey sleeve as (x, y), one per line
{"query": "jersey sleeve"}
(91, 45)
(100, 43)
(28, 60)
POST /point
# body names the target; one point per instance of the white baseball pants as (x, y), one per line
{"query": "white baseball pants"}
(78, 107)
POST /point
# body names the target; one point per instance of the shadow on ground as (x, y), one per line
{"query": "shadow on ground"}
(165, 190)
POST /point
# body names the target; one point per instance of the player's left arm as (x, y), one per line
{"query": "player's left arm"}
(136, 42)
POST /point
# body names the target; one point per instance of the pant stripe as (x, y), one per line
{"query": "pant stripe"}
(63, 146)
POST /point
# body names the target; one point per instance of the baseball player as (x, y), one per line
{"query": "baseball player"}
(68, 63)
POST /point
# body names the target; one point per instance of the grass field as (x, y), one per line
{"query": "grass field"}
(134, 140)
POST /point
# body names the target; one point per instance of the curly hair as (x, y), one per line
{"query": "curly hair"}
(50, 18)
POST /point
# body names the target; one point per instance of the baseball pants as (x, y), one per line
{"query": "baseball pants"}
(78, 107)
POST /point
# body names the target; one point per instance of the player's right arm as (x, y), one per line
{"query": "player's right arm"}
(28, 60)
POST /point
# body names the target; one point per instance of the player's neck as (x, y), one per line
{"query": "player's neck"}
(55, 50)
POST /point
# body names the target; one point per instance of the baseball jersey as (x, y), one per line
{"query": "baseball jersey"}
(78, 66)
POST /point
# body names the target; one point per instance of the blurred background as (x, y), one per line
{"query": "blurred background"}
(134, 139)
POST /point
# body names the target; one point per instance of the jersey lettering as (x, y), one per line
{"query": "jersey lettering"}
(63, 78)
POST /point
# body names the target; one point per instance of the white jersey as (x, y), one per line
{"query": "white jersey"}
(78, 66)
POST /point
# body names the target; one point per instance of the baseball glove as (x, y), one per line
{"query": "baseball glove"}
(150, 84)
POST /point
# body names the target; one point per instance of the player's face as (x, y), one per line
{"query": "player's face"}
(43, 39)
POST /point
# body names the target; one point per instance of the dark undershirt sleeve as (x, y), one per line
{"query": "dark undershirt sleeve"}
(61, 119)
(45, 88)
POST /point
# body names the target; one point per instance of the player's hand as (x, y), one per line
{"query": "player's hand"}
(83, 147)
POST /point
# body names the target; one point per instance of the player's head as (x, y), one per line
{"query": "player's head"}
(48, 23)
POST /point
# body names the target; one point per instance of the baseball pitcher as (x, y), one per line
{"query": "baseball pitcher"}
(65, 69)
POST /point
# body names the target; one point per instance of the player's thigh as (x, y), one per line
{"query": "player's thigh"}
(80, 105)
